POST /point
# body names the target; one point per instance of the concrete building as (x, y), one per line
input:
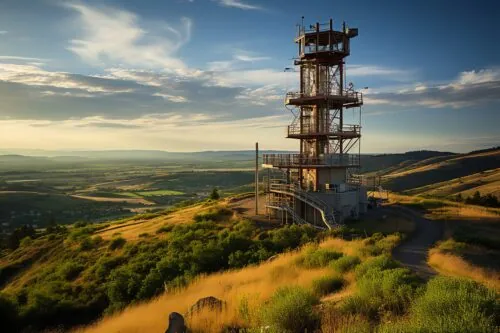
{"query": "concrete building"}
(319, 185)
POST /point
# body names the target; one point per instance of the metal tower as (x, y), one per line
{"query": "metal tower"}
(318, 186)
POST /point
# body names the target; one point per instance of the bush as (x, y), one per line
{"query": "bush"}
(213, 214)
(290, 309)
(382, 262)
(70, 270)
(26, 241)
(165, 228)
(117, 243)
(327, 285)
(382, 291)
(315, 257)
(344, 264)
(215, 194)
(451, 305)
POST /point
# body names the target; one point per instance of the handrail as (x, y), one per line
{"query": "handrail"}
(318, 204)
(297, 160)
(348, 93)
(307, 128)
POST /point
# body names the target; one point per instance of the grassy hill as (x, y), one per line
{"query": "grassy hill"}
(447, 175)
(68, 276)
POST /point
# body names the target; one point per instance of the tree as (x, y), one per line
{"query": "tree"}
(476, 198)
(215, 194)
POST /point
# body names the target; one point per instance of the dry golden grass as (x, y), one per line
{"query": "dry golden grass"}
(389, 224)
(253, 284)
(457, 211)
(453, 265)
(105, 199)
(418, 168)
(449, 210)
(132, 229)
(487, 182)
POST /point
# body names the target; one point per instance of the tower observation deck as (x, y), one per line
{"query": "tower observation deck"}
(316, 185)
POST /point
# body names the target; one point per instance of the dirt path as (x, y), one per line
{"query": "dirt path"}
(413, 252)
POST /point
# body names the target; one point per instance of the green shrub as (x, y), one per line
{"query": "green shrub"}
(290, 310)
(80, 224)
(382, 289)
(344, 264)
(327, 285)
(213, 214)
(86, 244)
(26, 241)
(79, 233)
(165, 228)
(117, 243)
(382, 262)
(70, 270)
(315, 257)
(451, 305)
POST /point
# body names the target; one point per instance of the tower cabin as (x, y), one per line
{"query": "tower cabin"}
(318, 185)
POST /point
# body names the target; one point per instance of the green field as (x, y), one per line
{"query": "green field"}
(155, 193)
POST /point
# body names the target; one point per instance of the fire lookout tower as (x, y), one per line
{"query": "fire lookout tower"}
(319, 185)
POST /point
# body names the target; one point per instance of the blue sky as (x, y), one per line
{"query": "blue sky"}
(184, 75)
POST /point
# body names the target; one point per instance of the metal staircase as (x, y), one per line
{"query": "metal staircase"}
(327, 214)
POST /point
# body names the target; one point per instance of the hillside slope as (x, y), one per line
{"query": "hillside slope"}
(447, 175)
(70, 276)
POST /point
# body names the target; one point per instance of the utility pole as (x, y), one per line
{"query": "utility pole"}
(256, 178)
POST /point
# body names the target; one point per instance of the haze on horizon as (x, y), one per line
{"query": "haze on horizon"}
(195, 75)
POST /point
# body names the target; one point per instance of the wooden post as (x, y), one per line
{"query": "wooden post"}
(256, 178)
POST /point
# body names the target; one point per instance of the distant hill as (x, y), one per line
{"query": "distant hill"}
(447, 175)
(385, 163)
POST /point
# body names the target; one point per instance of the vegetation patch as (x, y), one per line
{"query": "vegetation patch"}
(344, 264)
(315, 257)
(218, 213)
(290, 310)
(382, 288)
(451, 305)
(327, 285)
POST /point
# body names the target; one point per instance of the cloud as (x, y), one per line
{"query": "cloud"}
(239, 58)
(21, 58)
(238, 4)
(470, 88)
(3, 32)
(247, 58)
(380, 71)
(109, 125)
(262, 95)
(111, 35)
(33, 75)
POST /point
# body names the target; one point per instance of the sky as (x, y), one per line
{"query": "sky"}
(193, 75)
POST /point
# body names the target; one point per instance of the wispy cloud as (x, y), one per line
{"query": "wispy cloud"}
(381, 71)
(32, 75)
(240, 57)
(111, 35)
(468, 89)
(238, 4)
(3, 32)
(6, 57)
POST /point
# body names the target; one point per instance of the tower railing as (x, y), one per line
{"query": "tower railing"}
(310, 129)
(298, 160)
(351, 95)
